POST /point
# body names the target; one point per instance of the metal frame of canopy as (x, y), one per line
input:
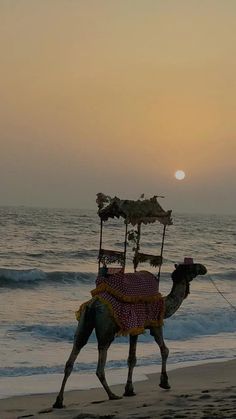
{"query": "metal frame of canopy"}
(135, 213)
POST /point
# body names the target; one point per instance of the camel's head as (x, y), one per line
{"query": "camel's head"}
(187, 272)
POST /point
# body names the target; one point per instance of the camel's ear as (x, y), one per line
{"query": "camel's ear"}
(176, 265)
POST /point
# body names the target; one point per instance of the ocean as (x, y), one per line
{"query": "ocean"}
(48, 266)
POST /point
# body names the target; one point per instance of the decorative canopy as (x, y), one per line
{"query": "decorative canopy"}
(134, 212)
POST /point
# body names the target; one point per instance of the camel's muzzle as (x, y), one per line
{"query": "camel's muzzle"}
(201, 269)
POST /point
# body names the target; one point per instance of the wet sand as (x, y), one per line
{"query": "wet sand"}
(204, 391)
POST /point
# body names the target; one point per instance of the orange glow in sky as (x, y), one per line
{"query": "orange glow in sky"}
(113, 96)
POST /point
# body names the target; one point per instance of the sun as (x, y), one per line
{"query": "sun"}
(179, 174)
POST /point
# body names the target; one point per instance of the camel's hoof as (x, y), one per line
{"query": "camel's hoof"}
(166, 386)
(129, 393)
(164, 381)
(114, 397)
(58, 404)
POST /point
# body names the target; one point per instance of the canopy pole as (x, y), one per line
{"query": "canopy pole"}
(162, 248)
(100, 244)
(137, 247)
(125, 243)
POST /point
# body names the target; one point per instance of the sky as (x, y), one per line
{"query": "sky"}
(114, 96)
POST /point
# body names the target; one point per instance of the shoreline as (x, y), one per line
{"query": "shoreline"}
(79, 380)
(205, 389)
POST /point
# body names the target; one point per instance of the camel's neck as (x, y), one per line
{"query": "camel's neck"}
(174, 300)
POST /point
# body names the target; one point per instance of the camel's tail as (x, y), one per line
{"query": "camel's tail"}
(86, 323)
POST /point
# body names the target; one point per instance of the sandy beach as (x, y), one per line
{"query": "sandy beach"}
(202, 391)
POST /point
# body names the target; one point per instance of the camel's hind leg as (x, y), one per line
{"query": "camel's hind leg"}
(129, 389)
(105, 328)
(68, 369)
(83, 331)
(102, 357)
(156, 332)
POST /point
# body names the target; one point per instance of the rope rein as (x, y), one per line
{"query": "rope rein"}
(221, 293)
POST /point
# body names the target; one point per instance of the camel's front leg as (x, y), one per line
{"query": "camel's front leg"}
(158, 336)
(129, 389)
(102, 357)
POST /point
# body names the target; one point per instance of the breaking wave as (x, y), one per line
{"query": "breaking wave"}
(179, 327)
(13, 278)
(22, 278)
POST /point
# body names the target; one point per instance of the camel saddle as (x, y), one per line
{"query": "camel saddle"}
(133, 299)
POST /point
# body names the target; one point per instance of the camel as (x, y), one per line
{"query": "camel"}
(96, 315)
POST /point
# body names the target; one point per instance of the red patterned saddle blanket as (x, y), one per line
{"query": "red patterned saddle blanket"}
(133, 299)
